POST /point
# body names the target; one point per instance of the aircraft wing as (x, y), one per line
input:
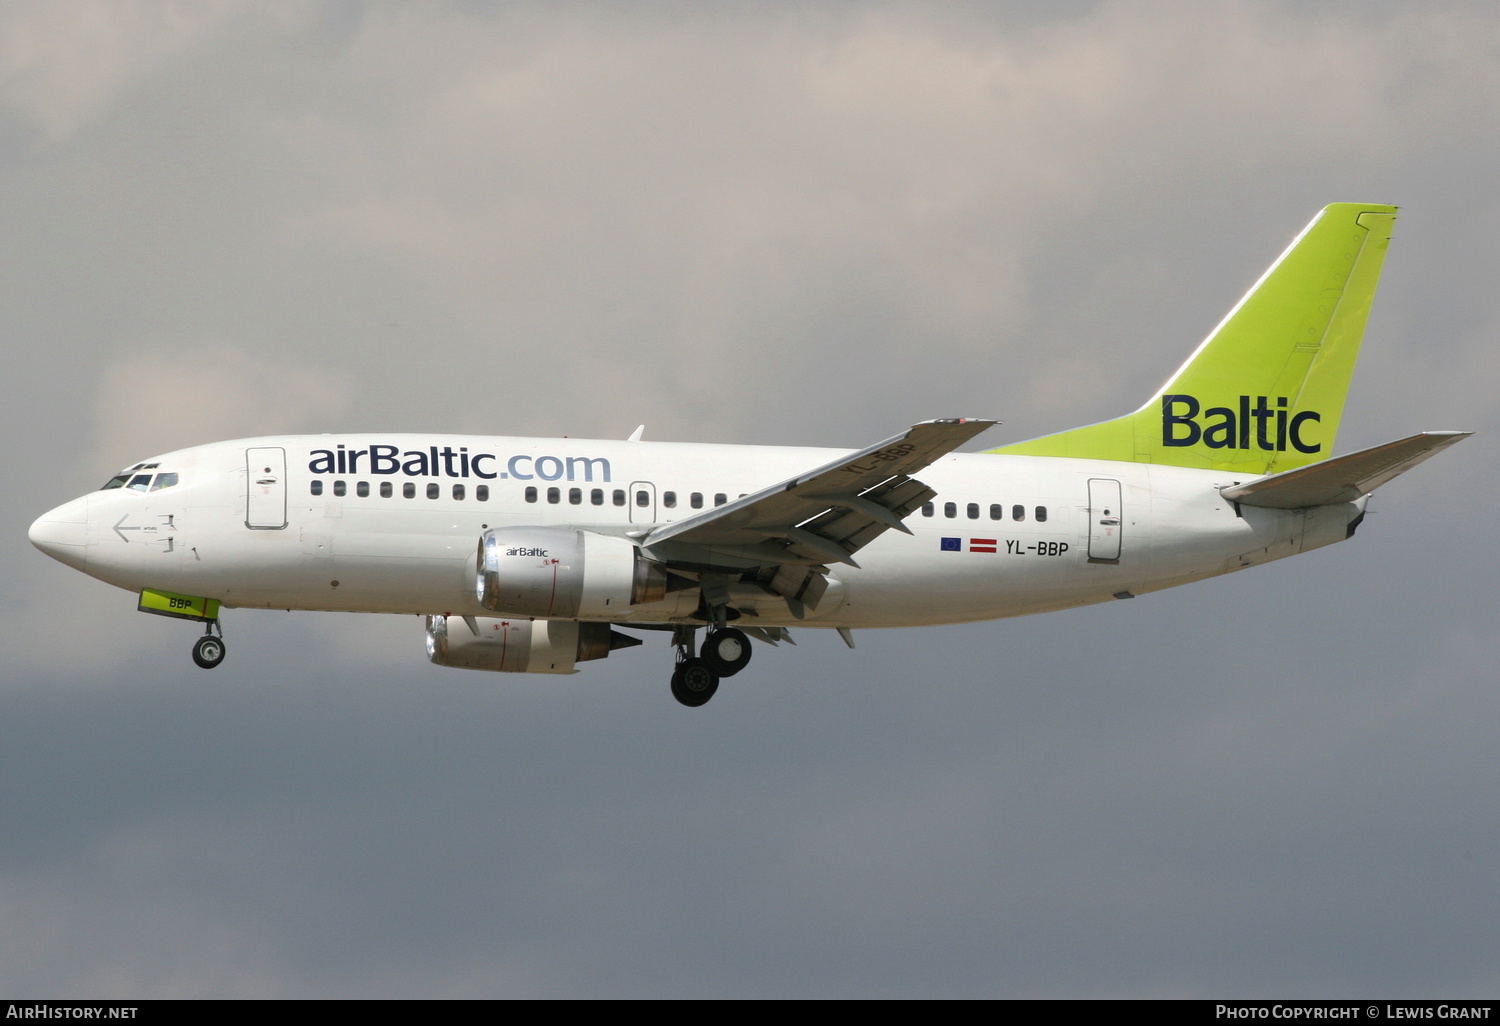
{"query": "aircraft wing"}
(823, 516)
(1343, 478)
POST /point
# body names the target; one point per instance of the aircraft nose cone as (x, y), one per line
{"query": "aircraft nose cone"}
(62, 533)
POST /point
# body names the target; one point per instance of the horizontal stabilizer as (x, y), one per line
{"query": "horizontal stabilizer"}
(1344, 478)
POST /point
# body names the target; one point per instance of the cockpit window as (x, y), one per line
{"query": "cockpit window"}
(163, 481)
(118, 481)
(140, 482)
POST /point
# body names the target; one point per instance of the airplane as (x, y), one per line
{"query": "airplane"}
(532, 555)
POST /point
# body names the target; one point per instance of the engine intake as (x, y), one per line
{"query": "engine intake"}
(549, 572)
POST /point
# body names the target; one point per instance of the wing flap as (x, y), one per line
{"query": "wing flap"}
(825, 515)
(1343, 478)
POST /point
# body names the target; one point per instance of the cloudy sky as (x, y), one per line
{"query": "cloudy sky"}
(808, 223)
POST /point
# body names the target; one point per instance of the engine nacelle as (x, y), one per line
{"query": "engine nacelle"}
(520, 645)
(564, 572)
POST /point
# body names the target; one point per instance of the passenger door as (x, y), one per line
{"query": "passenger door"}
(1105, 520)
(265, 480)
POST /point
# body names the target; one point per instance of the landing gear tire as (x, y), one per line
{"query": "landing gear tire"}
(693, 683)
(208, 651)
(727, 651)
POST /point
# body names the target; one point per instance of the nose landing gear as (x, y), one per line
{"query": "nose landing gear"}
(208, 651)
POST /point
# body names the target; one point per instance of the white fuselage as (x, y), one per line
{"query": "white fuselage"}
(315, 531)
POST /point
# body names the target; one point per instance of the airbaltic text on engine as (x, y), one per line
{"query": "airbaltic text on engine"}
(444, 462)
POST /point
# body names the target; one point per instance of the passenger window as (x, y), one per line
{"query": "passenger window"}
(338, 488)
(927, 509)
(1041, 514)
(163, 481)
(482, 493)
(973, 511)
(554, 495)
(619, 497)
(720, 498)
(362, 489)
(316, 488)
(433, 491)
(997, 511)
(1018, 513)
(669, 500)
(140, 482)
(642, 498)
(950, 510)
(409, 490)
(596, 496)
(531, 493)
(575, 496)
(385, 489)
(458, 492)
(696, 500)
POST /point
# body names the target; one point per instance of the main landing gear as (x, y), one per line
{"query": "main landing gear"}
(726, 651)
(693, 683)
(208, 651)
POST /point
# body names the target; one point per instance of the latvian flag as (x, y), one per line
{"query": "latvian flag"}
(975, 545)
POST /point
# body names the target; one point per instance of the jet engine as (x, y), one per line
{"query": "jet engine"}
(520, 645)
(563, 572)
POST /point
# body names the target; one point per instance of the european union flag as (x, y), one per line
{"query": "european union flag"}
(952, 545)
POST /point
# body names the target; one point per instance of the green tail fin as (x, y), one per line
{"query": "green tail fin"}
(1265, 390)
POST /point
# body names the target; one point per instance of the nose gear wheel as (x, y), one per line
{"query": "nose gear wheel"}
(208, 650)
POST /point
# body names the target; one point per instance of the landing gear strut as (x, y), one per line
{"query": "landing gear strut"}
(694, 680)
(208, 651)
